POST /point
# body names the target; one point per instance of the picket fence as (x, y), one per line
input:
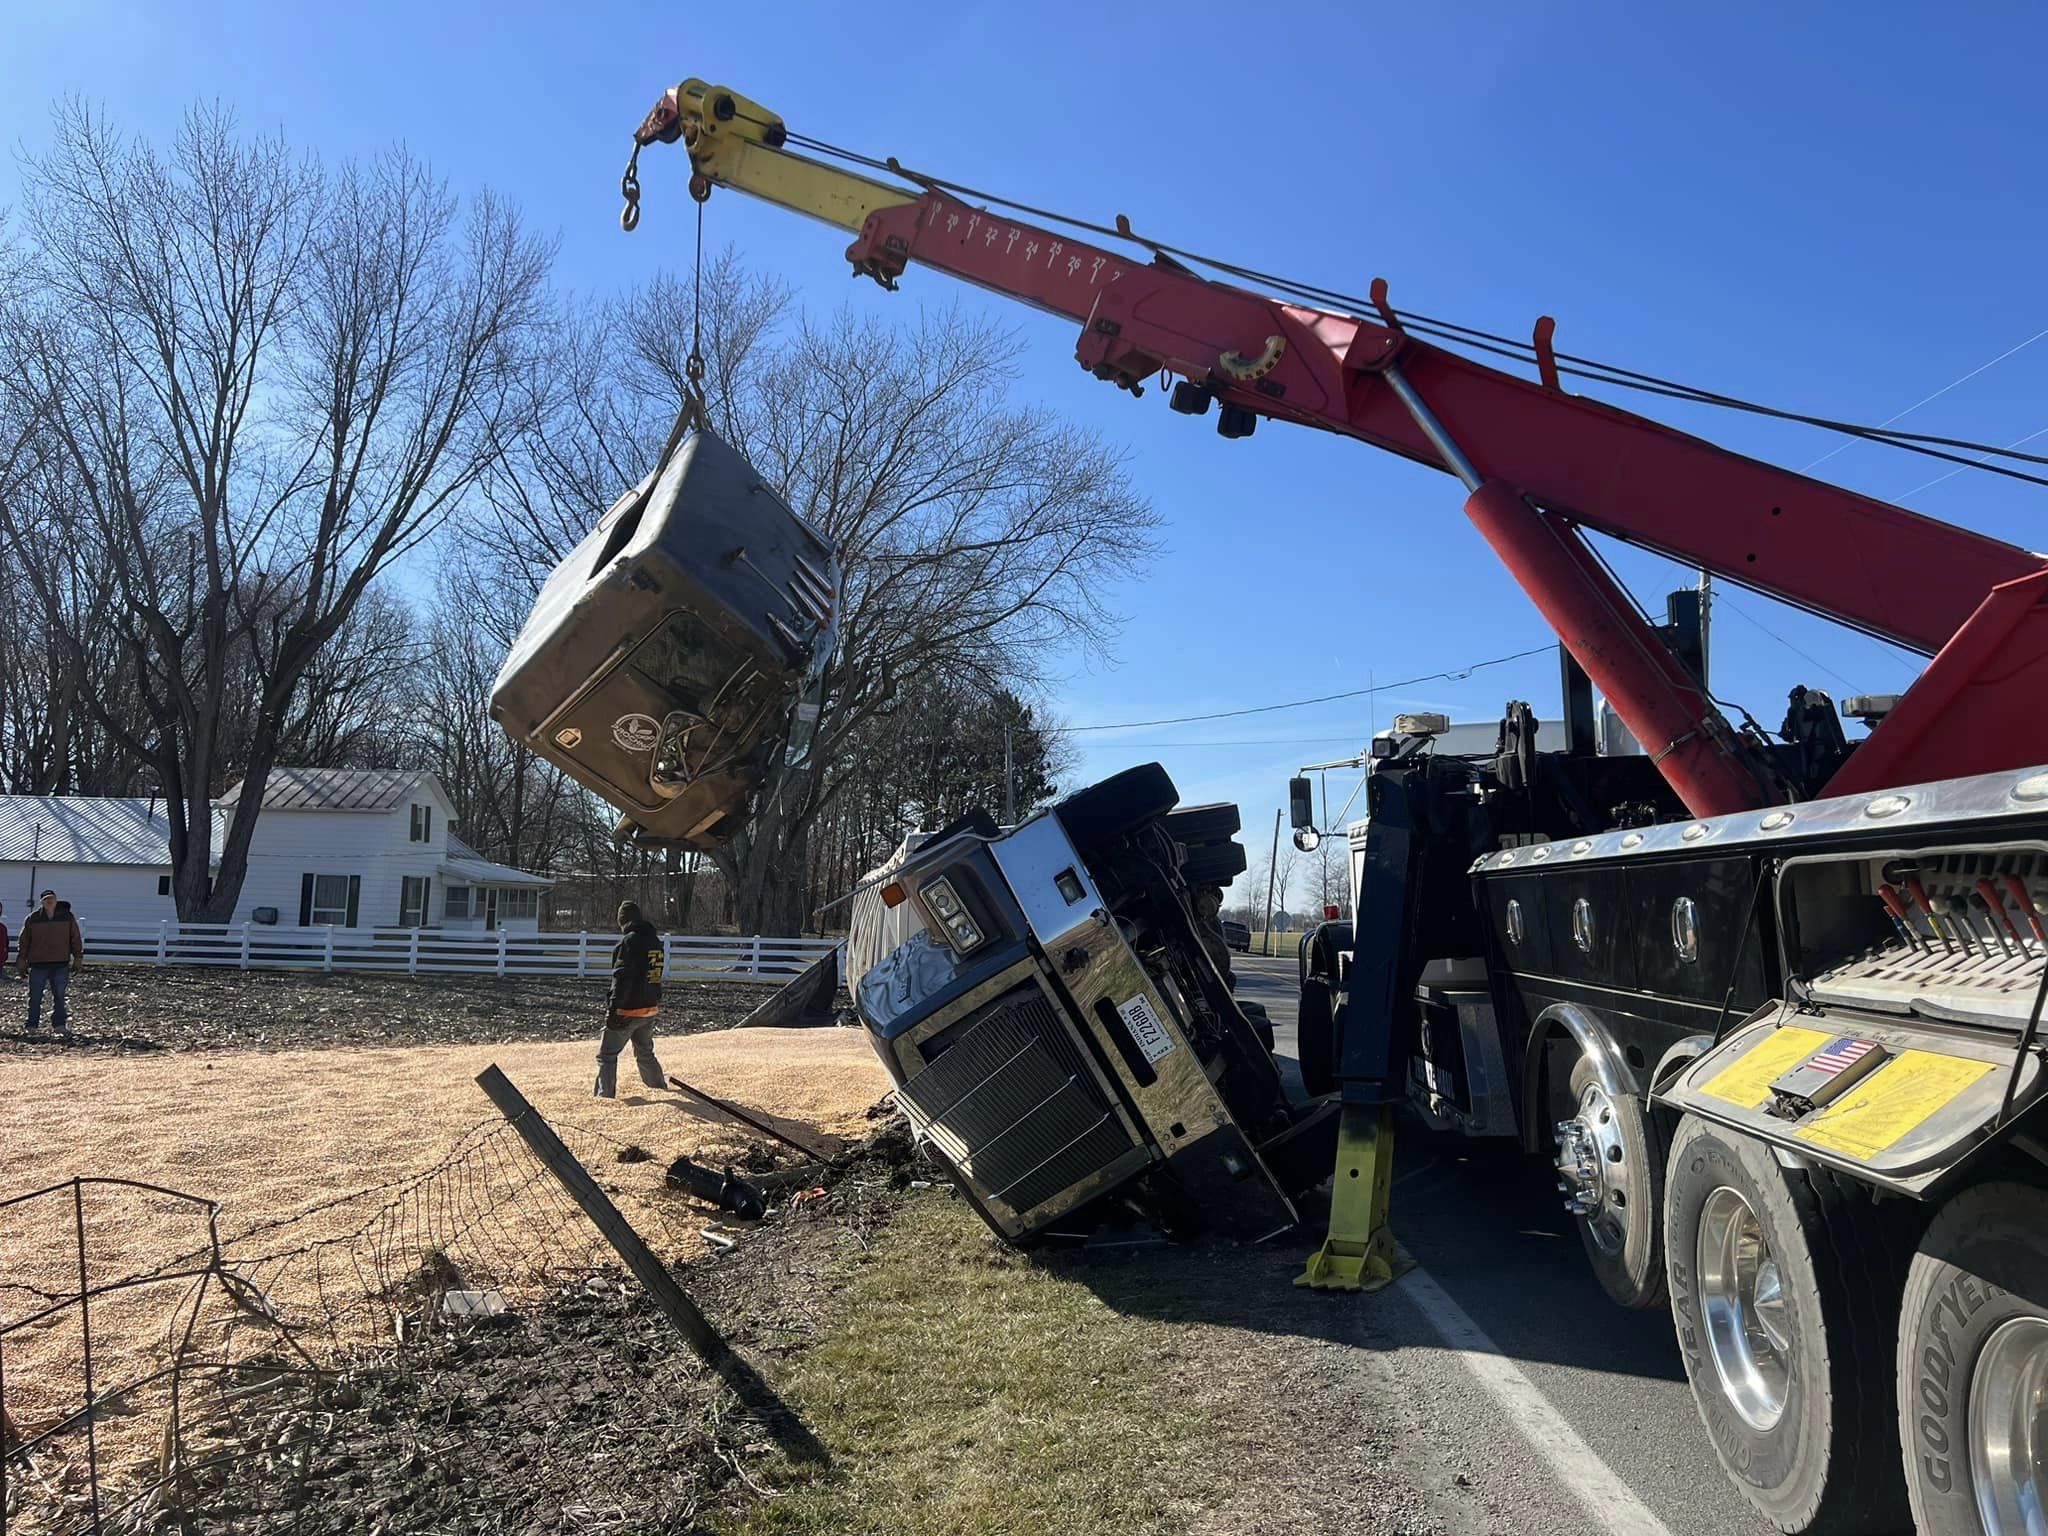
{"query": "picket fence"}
(430, 951)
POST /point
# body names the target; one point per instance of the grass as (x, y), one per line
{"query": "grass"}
(966, 1391)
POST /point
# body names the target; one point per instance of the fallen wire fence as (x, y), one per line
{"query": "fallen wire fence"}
(156, 1375)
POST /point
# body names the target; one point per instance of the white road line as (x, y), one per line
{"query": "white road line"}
(1610, 1503)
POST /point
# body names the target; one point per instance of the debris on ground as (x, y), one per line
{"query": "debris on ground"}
(585, 1411)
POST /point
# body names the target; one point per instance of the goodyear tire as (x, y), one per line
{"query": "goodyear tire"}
(1784, 1292)
(1316, 1034)
(1624, 1238)
(1973, 1363)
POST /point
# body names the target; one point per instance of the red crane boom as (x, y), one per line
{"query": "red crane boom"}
(1539, 465)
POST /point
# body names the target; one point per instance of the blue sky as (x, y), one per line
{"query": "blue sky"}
(1833, 209)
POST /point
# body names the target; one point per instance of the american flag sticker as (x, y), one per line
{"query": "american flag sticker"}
(1840, 1054)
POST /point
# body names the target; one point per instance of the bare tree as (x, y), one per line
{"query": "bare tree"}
(975, 534)
(258, 384)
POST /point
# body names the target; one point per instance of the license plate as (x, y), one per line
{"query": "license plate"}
(1143, 1023)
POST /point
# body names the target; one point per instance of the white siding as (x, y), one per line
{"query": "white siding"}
(375, 846)
(103, 893)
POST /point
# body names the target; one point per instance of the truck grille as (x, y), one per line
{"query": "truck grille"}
(1010, 1103)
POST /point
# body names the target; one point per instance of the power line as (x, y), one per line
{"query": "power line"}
(1235, 741)
(1929, 399)
(2043, 432)
(1456, 674)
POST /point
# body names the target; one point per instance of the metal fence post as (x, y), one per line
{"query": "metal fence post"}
(754, 966)
(412, 958)
(501, 951)
(327, 950)
(92, 1444)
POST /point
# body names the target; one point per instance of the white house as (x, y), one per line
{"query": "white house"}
(108, 856)
(370, 848)
(351, 847)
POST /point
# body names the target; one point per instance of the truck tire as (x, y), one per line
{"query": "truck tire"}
(1973, 1363)
(1262, 1026)
(1213, 863)
(1316, 1037)
(1196, 824)
(1624, 1235)
(1121, 803)
(1796, 1392)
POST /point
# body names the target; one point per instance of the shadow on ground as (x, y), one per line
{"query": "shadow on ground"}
(1484, 1220)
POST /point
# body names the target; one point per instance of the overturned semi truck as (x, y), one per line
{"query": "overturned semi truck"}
(1054, 1002)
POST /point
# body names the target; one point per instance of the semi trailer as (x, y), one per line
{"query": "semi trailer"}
(1771, 1001)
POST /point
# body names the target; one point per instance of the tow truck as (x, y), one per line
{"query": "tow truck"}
(1775, 1002)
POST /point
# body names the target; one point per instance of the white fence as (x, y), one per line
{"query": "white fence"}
(430, 951)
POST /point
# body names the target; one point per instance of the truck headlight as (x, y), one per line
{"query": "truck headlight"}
(945, 905)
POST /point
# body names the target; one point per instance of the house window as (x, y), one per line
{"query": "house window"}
(330, 900)
(520, 904)
(412, 901)
(458, 900)
(163, 885)
(422, 824)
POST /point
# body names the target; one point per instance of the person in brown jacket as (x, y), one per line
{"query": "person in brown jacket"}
(50, 944)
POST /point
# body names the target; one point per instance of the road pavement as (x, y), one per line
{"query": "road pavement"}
(1582, 1421)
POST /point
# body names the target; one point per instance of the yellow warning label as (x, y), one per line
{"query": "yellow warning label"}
(1901, 1094)
(1747, 1079)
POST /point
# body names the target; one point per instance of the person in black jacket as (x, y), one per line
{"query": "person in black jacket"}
(634, 1002)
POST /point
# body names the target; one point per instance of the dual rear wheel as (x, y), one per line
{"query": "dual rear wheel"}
(1822, 1329)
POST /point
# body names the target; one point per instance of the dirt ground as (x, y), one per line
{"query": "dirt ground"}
(139, 1008)
(286, 1139)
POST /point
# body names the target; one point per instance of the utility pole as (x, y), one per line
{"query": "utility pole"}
(1272, 874)
(1706, 625)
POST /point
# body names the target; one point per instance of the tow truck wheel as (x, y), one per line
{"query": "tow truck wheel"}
(1610, 1163)
(1973, 1366)
(1784, 1291)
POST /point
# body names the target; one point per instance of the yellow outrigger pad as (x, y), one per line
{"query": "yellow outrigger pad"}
(1358, 1254)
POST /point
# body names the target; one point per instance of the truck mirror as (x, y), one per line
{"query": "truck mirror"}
(1301, 805)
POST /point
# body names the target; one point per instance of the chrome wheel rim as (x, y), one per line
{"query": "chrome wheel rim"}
(1743, 1303)
(1601, 1170)
(2009, 1429)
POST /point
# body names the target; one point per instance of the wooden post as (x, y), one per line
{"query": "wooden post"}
(412, 955)
(755, 970)
(789, 1431)
(163, 940)
(582, 953)
(594, 1203)
(245, 946)
(501, 951)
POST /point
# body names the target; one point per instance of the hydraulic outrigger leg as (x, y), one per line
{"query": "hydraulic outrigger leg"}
(1358, 1253)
